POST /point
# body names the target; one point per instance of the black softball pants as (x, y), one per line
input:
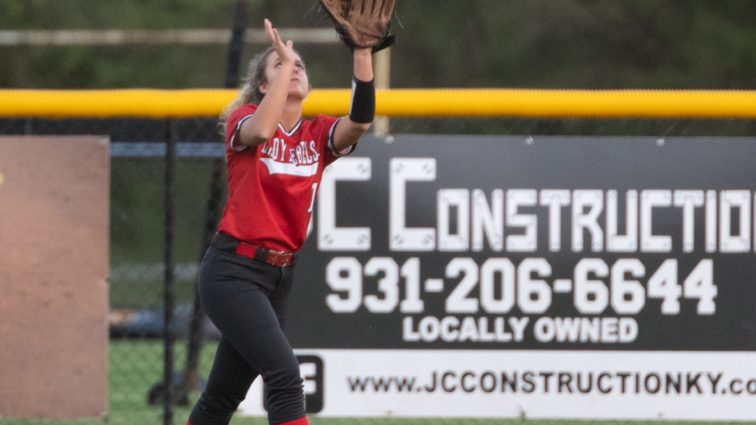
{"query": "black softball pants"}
(247, 300)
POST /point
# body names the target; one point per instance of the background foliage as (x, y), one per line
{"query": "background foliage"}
(473, 43)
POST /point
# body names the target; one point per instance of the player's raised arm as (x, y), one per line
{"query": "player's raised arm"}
(362, 108)
(279, 70)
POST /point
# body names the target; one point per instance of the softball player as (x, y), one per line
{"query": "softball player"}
(275, 160)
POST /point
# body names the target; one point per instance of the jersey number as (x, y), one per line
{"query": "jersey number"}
(312, 200)
(312, 205)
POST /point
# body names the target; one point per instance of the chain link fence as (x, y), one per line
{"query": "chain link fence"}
(138, 246)
(138, 250)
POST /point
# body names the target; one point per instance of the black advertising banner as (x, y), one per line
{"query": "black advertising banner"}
(537, 243)
(539, 277)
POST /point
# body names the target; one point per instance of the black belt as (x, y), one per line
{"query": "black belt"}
(255, 252)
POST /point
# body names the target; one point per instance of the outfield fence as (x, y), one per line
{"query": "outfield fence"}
(167, 189)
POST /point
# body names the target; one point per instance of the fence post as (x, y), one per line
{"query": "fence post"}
(168, 297)
(214, 202)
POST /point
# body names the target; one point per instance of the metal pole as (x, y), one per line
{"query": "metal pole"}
(194, 344)
(168, 296)
(188, 37)
(382, 62)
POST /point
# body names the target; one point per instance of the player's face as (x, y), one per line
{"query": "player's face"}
(300, 84)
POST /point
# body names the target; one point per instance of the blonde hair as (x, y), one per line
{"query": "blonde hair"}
(250, 89)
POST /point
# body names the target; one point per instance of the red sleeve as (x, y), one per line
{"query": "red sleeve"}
(233, 123)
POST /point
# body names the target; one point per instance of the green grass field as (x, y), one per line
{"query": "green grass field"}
(136, 365)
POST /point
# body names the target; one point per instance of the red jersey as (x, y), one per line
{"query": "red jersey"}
(272, 186)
